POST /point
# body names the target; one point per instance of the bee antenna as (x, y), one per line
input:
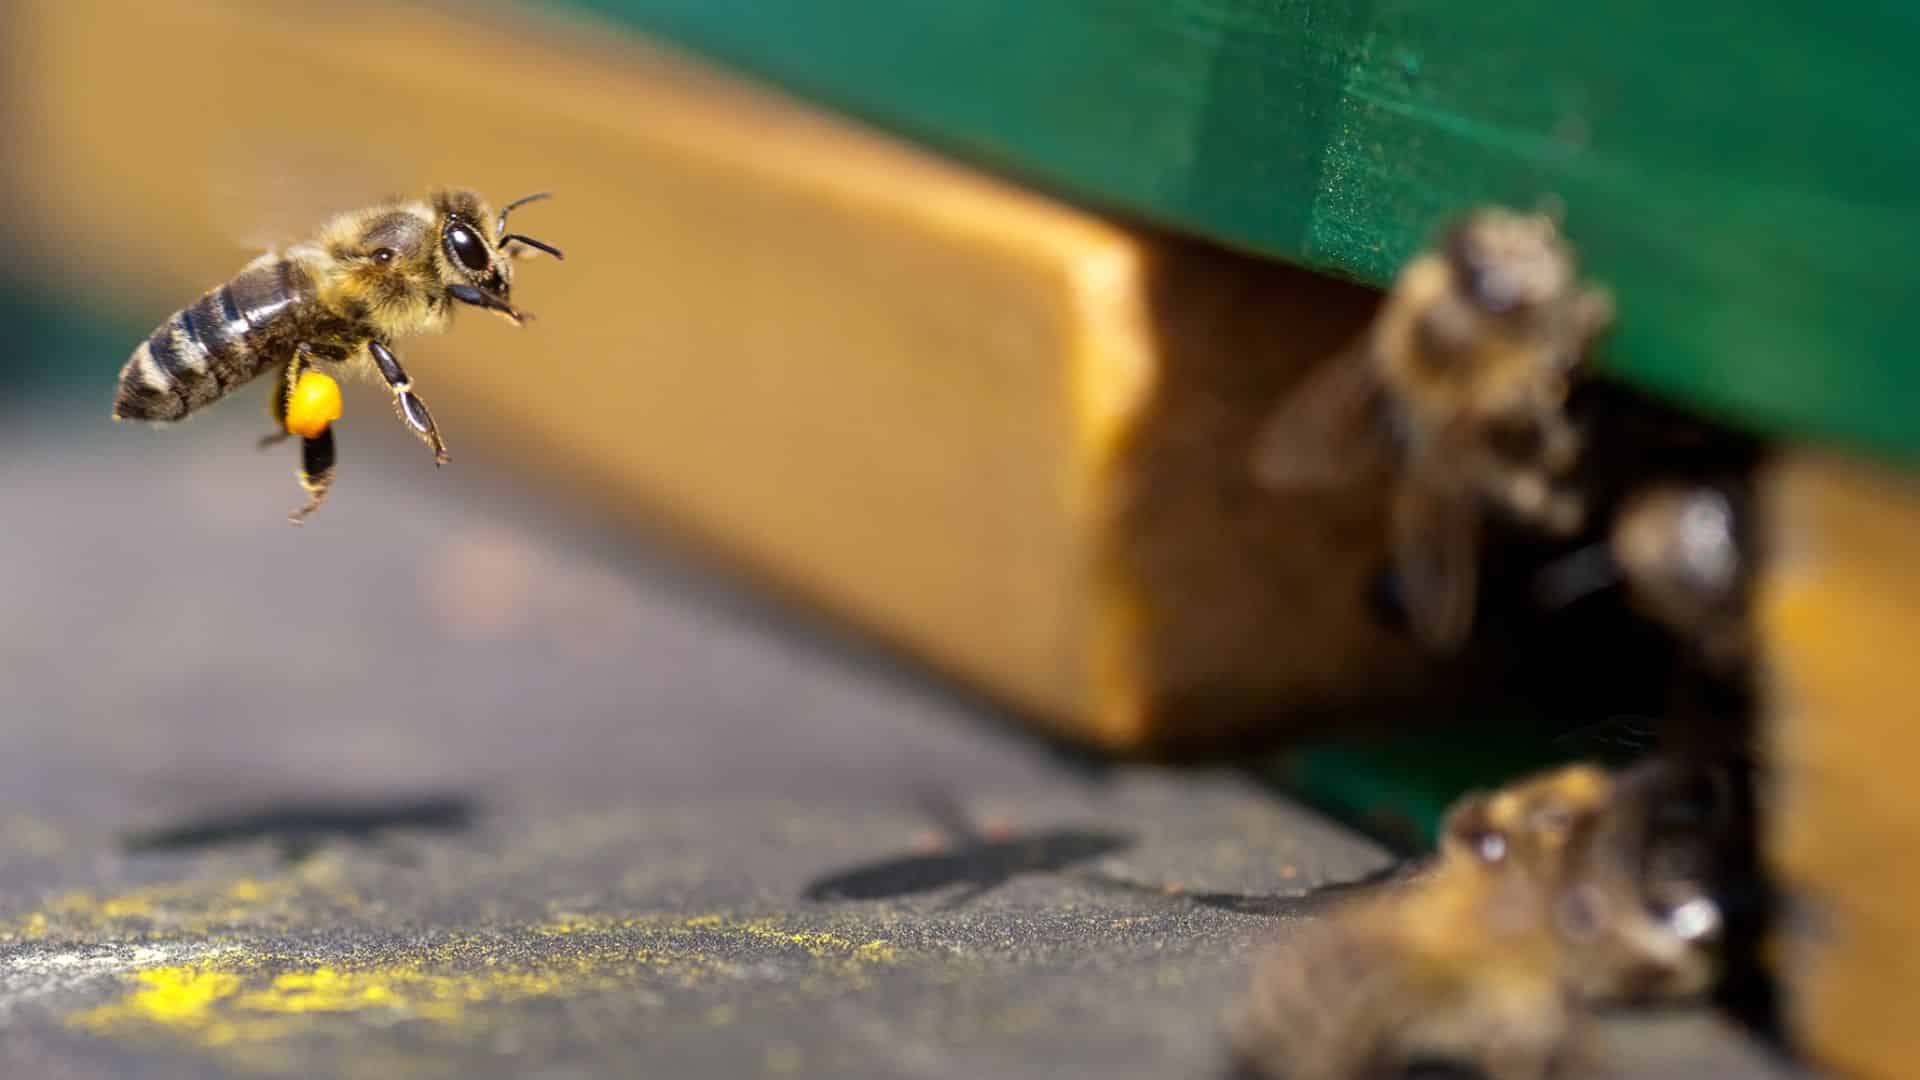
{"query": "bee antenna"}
(512, 238)
(516, 204)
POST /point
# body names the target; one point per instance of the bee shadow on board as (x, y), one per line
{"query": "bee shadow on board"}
(1310, 901)
(1419, 1070)
(297, 830)
(973, 860)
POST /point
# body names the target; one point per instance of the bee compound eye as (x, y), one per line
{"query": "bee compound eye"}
(467, 247)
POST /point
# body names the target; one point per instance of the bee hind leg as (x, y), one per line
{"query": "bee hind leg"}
(406, 404)
(316, 473)
(277, 402)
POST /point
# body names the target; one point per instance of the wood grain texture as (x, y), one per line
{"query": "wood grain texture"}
(997, 431)
(1840, 613)
(1741, 174)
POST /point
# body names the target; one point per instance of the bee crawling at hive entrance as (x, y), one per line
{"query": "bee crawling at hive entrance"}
(1569, 890)
(336, 302)
(1684, 551)
(1461, 382)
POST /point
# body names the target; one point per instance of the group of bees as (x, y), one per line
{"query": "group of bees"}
(1463, 383)
(1567, 890)
(1468, 385)
(1575, 889)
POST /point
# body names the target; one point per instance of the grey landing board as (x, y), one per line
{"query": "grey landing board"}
(450, 783)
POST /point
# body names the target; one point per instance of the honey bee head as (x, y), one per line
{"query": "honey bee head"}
(1621, 886)
(1508, 263)
(472, 252)
(1529, 827)
(1644, 907)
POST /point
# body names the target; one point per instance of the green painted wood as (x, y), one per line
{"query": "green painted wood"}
(62, 348)
(1399, 787)
(1745, 176)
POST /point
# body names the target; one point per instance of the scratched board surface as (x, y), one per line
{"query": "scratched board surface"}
(452, 783)
(1742, 174)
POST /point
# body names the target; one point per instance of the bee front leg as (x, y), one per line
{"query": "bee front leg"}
(316, 472)
(412, 411)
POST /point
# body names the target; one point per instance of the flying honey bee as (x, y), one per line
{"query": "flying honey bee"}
(338, 301)
(1462, 382)
(1547, 898)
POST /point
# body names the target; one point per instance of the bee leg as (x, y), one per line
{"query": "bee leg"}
(277, 401)
(411, 410)
(316, 473)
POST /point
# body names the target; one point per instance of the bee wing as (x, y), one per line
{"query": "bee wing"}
(1325, 431)
(1436, 552)
(267, 197)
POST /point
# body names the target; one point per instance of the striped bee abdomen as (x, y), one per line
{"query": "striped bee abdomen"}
(225, 339)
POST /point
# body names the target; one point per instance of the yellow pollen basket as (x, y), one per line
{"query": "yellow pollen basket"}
(314, 404)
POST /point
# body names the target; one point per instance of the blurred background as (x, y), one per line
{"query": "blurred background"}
(848, 638)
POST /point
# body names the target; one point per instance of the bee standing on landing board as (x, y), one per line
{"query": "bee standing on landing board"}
(1464, 374)
(1548, 898)
(337, 301)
